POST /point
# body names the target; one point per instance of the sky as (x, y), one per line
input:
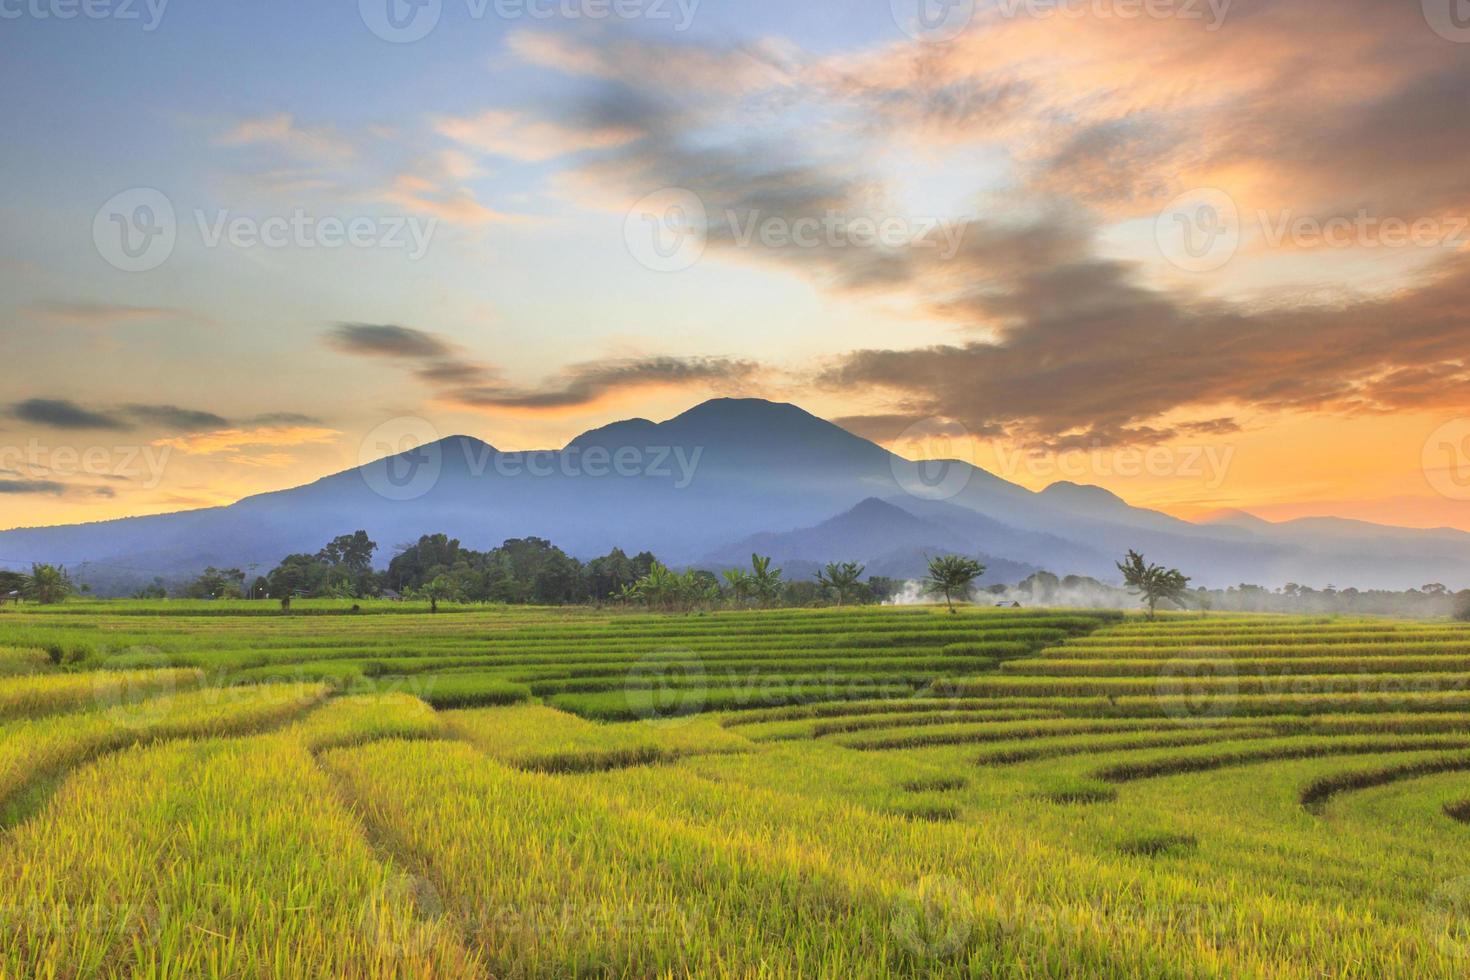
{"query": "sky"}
(1209, 254)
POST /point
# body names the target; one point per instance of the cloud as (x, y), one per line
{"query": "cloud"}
(386, 340)
(174, 417)
(48, 487)
(198, 427)
(238, 440)
(662, 66)
(280, 129)
(584, 384)
(457, 205)
(1090, 357)
(519, 137)
(890, 426)
(101, 314)
(1070, 333)
(276, 419)
(460, 381)
(430, 357)
(55, 413)
(52, 488)
(270, 461)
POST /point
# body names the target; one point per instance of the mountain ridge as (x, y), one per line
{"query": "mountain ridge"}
(724, 471)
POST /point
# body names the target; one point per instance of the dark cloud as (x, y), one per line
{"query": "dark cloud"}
(52, 488)
(48, 487)
(386, 340)
(1301, 105)
(1079, 349)
(889, 427)
(461, 381)
(270, 419)
(63, 414)
(1089, 357)
(445, 371)
(176, 418)
(583, 384)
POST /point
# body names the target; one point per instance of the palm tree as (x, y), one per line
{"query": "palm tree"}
(951, 576)
(841, 579)
(48, 584)
(628, 593)
(1153, 582)
(440, 587)
(738, 579)
(765, 582)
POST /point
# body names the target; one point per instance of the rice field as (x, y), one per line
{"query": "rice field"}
(218, 789)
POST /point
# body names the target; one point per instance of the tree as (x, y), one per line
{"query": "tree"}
(153, 590)
(628, 594)
(607, 576)
(951, 576)
(48, 584)
(437, 588)
(354, 552)
(217, 583)
(1153, 583)
(1043, 587)
(297, 574)
(1462, 606)
(738, 579)
(12, 582)
(765, 581)
(881, 588)
(841, 579)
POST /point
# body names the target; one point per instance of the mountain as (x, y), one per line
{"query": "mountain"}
(705, 484)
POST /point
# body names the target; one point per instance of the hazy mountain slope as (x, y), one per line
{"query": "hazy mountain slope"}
(889, 540)
(722, 472)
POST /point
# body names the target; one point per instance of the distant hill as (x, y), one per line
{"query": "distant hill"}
(889, 540)
(730, 474)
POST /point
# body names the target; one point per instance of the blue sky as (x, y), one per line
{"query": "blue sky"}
(1062, 152)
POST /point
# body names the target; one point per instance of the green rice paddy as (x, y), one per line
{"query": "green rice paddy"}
(218, 789)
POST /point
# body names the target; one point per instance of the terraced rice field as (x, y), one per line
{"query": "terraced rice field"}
(217, 789)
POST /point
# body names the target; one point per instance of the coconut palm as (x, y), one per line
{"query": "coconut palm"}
(48, 584)
(841, 579)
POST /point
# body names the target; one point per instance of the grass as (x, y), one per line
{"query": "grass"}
(218, 789)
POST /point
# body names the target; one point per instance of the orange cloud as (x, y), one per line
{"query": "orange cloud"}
(237, 440)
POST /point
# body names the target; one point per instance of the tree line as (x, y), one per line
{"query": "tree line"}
(531, 570)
